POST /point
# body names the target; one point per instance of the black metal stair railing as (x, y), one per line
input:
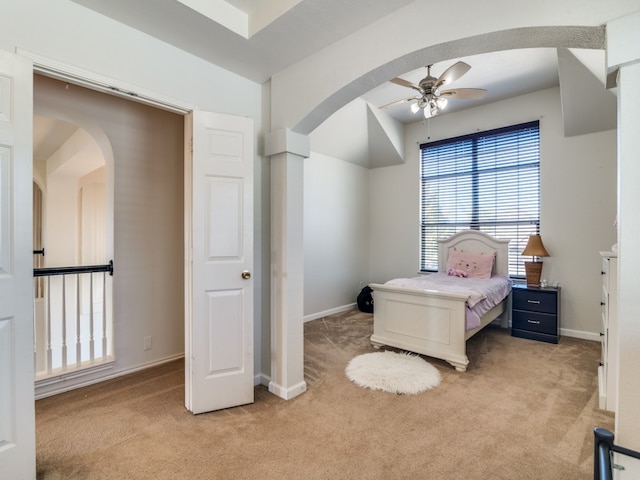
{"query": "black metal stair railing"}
(71, 318)
(603, 449)
(51, 271)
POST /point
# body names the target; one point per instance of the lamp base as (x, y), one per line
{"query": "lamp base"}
(533, 271)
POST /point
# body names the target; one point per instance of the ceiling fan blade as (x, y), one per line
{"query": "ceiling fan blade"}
(464, 93)
(405, 83)
(452, 73)
(398, 102)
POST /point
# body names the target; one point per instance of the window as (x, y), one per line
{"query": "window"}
(487, 181)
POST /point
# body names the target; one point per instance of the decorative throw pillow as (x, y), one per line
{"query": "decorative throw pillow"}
(475, 265)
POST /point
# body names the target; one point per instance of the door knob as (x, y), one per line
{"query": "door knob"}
(246, 274)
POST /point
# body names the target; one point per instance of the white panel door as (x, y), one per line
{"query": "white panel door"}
(219, 287)
(17, 417)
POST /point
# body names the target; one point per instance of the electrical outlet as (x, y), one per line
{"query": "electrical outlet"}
(147, 343)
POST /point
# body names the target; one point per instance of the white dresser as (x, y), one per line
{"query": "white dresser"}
(609, 335)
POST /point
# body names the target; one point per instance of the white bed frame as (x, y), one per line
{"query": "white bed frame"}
(433, 323)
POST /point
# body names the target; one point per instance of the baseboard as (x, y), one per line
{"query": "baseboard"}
(287, 393)
(261, 379)
(60, 384)
(566, 332)
(326, 313)
(69, 374)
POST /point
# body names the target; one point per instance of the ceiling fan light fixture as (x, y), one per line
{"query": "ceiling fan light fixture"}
(434, 107)
(432, 98)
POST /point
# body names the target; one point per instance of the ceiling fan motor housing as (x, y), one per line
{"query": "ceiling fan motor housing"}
(426, 84)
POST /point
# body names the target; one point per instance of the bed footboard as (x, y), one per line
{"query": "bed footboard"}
(427, 322)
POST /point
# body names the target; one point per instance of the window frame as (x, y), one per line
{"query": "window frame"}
(455, 151)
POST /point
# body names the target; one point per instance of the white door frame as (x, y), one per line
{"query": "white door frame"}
(60, 71)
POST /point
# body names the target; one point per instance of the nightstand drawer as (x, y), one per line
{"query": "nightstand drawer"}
(534, 322)
(534, 301)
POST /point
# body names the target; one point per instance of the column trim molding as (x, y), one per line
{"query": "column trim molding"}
(287, 141)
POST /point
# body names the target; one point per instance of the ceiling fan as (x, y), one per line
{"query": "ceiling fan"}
(431, 99)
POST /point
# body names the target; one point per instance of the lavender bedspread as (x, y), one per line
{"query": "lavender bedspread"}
(483, 294)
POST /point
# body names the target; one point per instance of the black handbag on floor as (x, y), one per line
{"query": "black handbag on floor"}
(365, 300)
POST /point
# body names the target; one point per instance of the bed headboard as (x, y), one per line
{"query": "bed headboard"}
(474, 241)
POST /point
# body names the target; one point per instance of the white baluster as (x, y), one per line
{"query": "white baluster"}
(78, 341)
(104, 315)
(48, 323)
(91, 341)
(64, 322)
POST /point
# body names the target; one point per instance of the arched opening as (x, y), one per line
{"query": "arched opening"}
(345, 86)
(330, 98)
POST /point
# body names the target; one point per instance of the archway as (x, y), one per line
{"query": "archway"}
(298, 111)
(518, 38)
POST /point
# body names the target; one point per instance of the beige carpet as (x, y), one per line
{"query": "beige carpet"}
(523, 410)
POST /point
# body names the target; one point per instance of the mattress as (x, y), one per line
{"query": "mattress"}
(483, 294)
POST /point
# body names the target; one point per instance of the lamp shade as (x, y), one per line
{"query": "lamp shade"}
(535, 247)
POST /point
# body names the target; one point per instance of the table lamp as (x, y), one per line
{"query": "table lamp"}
(533, 269)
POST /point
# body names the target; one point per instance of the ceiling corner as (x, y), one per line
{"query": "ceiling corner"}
(587, 106)
(386, 139)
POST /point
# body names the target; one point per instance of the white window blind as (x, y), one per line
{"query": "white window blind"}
(487, 181)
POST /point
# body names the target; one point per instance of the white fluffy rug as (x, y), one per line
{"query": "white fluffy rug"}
(393, 372)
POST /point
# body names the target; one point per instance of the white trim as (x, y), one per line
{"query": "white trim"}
(101, 83)
(287, 393)
(565, 332)
(580, 334)
(60, 375)
(286, 141)
(261, 379)
(67, 388)
(331, 311)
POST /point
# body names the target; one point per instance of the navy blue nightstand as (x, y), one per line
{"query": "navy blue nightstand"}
(535, 313)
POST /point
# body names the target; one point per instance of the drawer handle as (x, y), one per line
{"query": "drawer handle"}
(537, 302)
(537, 322)
(603, 273)
(602, 304)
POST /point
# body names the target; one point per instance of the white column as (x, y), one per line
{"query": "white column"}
(287, 150)
(623, 54)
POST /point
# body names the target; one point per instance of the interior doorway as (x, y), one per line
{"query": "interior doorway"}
(72, 313)
(139, 225)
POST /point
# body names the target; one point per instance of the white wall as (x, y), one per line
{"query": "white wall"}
(78, 38)
(93, 219)
(336, 234)
(73, 35)
(79, 154)
(578, 201)
(60, 234)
